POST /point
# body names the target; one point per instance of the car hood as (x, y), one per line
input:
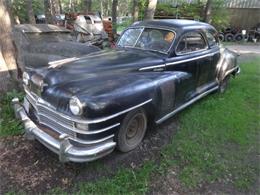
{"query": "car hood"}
(99, 65)
(64, 48)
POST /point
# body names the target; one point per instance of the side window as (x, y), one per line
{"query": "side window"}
(211, 39)
(192, 41)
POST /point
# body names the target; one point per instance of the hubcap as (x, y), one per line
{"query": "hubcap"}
(135, 129)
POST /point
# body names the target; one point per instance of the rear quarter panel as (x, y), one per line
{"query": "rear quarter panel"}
(226, 63)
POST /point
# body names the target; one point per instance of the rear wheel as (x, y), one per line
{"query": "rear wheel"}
(224, 84)
(132, 130)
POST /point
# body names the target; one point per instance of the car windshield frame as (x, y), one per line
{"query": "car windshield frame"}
(142, 28)
(30, 36)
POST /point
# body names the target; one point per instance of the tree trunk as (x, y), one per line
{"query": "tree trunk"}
(30, 12)
(60, 6)
(101, 8)
(114, 14)
(55, 7)
(150, 10)
(88, 4)
(71, 6)
(47, 9)
(8, 66)
(135, 10)
(207, 13)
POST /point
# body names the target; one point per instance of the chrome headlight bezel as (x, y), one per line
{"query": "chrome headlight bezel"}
(76, 107)
(26, 78)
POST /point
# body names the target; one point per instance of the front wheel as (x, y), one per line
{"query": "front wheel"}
(132, 130)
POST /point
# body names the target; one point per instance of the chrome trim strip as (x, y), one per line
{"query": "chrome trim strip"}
(102, 119)
(185, 105)
(191, 59)
(92, 142)
(79, 140)
(152, 67)
(98, 120)
(232, 70)
(76, 130)
(178, 62)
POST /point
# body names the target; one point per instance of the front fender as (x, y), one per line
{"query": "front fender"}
(134, 89)
(117, 93)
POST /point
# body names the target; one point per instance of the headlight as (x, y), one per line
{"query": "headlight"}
(76, 106)
(26, 78)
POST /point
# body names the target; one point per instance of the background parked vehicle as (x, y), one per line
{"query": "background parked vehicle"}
(39, 44)
(89, 28)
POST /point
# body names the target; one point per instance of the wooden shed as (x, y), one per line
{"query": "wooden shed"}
(244, 14)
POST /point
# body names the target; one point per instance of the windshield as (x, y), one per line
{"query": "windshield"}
(147, 38)
(49, 37)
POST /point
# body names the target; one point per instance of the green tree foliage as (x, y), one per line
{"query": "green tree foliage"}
(19, 9)
(220, 16)
(195, 10)
(142, 5)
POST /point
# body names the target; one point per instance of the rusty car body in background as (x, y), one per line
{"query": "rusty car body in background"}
(39, 44)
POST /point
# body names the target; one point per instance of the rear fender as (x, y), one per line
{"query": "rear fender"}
(227, 64)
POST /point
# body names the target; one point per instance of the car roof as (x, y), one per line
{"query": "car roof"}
(174, 24)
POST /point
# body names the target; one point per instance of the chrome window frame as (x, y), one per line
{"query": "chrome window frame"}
(214, 36)
(150, 27)
(192, 52)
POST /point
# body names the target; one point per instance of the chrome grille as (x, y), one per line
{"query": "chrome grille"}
(32, 100)
(50, 118)
(43, 111)
(55, 125)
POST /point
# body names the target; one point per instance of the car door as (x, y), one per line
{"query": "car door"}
(213, 45)
(190, 52)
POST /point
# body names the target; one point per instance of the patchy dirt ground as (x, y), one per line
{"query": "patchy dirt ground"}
(30, 167)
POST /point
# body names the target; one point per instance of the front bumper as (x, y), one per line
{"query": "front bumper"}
(62, 145)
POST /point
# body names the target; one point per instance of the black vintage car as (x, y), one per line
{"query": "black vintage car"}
(83, 109)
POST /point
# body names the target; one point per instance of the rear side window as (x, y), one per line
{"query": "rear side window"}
(191, 42)
(211, 39)
(88, 20)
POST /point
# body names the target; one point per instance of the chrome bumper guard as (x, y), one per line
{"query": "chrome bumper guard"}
(238, 70)
(62, 146)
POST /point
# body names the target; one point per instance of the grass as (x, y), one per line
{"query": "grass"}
(9, 125)
(219, 137)
(126, 181)
(217, 141)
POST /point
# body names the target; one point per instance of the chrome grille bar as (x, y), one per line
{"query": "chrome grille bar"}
(56, 121)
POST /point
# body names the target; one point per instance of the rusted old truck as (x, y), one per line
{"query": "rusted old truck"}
(88, 28)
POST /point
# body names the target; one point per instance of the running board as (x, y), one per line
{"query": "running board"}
(167, 116)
